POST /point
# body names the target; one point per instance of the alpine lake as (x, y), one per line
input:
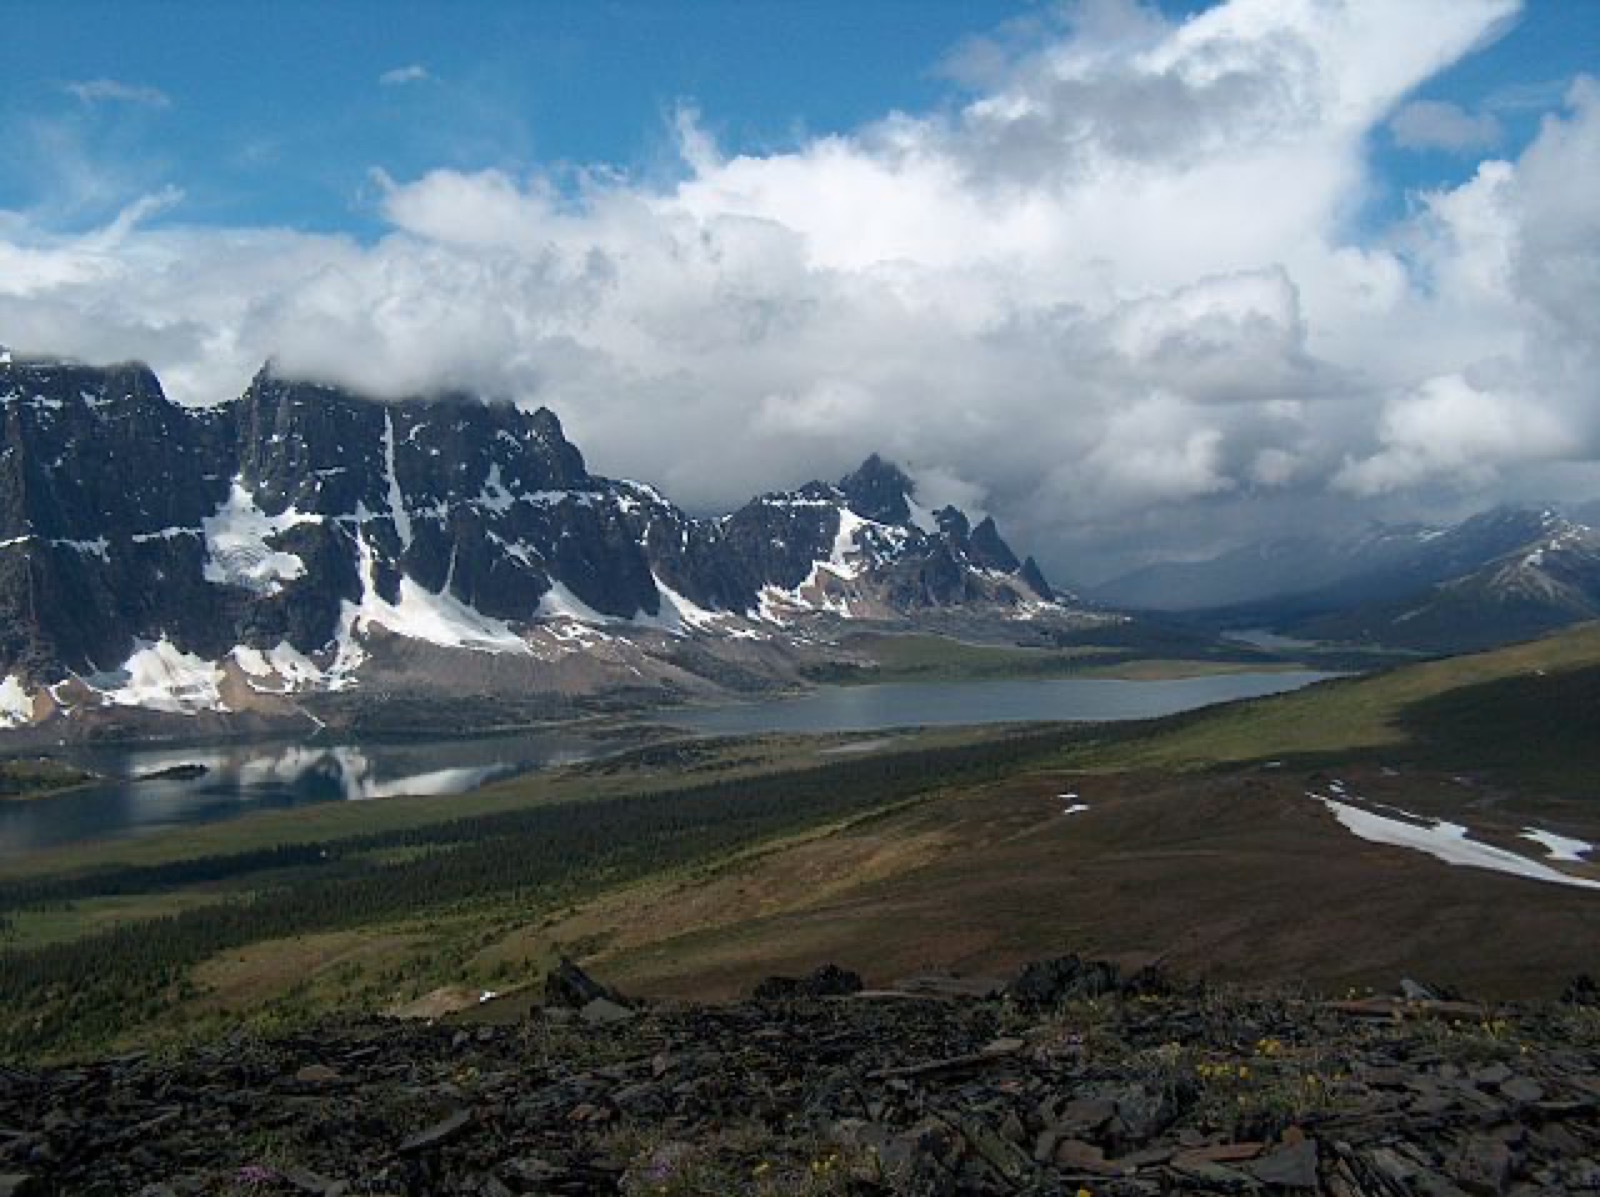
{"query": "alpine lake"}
(144, 789)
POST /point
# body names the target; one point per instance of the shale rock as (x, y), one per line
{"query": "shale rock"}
(1199, 1092)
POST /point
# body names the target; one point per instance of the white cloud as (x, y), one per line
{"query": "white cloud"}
(112, 91)
(1451, 430)
(1441, 125)
(1117, 286)
(1156, 450)
(399, 76)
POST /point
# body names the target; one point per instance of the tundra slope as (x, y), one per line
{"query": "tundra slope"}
(301, 540)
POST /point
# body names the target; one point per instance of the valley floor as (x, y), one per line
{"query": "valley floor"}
(1220, 844)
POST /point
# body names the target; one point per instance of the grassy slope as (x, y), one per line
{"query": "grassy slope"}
(1228, 871)
(1232, 873)
(1543, 727)
(977, 878)
(1234, 876)
(384, 920)
(1340, 717)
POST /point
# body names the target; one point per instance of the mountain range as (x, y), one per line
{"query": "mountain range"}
(302, 540)
(270, 556)
(1501, 575)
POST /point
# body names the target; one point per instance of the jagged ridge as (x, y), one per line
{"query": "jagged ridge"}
(157, 555)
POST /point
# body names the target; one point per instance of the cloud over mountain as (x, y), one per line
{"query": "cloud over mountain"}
(1123, 283)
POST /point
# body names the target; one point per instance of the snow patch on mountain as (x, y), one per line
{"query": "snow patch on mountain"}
(419, 614)
(98, 547)
(844, 543)
(442, 619)
(237, 548)
(160, 676)
(397, 498)
(16, 704)
(495, 496)
(682, 616)
(280, 669)
(560, 603)
(921, 518)
(678, 614)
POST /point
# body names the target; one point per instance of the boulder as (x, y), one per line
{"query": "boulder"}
(1046, 983)
(1582, 990)
(567, 986)
(604, 1012)
(828, 981)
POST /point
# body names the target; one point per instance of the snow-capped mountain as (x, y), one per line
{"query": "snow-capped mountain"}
(1308, 573)
(1500, 575)
(300, 539)
(1549, 580)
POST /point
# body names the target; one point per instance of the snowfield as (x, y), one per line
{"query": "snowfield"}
(1443, 841)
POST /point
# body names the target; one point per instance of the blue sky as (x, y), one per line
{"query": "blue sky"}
(277, 111)
(274, 113)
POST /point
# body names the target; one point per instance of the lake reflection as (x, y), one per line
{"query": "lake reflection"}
(354, 774)
(239, 778)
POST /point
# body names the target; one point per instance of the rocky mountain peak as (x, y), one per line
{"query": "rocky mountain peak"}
(990, 550)
(1034, 576)
(304, 538)
(953, 522)
(547, 425)
(878, 490)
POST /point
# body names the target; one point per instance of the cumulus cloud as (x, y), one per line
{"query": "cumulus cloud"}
(1449, 428)
(112, 91)
(1115, 290)
(399, 76)
(1441, 125)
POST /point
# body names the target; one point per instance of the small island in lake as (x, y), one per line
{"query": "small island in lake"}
(23, 778)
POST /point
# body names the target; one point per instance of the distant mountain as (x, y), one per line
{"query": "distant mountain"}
(1257, 572)
(1501, 575)
(1584, 513)
(303, 540)
(1549, 581)
(1398, 565)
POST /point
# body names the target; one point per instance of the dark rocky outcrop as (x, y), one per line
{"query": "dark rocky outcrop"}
(569, 987)
(1045, 984)
(894, 1091)
(827, 981)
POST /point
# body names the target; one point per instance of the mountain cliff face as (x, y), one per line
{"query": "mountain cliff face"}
(302, 539)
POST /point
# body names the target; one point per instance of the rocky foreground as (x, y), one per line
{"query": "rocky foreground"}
(1072, 1079)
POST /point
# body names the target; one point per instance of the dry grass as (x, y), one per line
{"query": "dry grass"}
(253, 977)
(1237, 877)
